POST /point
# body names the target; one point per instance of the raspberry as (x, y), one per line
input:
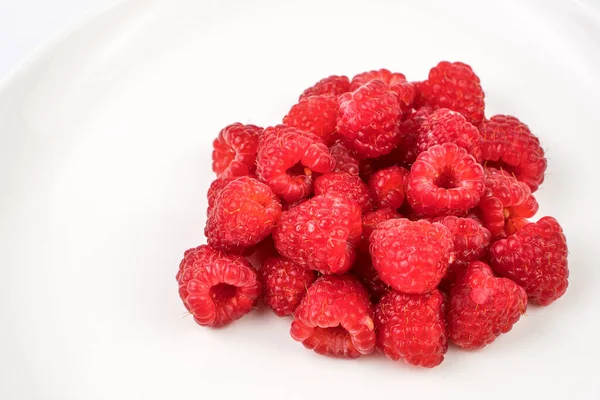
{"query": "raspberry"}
(363, 269)
(509, 144)
(243, 214)
(320, 233)
(368, 119)
(344, 161)
(331, 86)
(286, 158)
(447, 126)
(407, 150)
(260, 253)
(215, 188)
(387, 186)
(315, 114)
(284, 284)
(216, 288)
(504, 201)
(405, 92)
(345, 185)
(411, 257)
(482, 307)
(454, 86)
(445, 180)
(370, 221)
(234, 150)
(369, 166)
(335, 318)
(471, 240)
(536, 258)
(412, 327)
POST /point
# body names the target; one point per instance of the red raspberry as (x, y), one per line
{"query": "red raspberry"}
(315, 114)
(454, 86)
(471, 240)
(216, 288)
(260, 253)
(215, 188)
(286, 158)
(445, 180)
(387, 186)
(370, 221)
(320, 233)
(407, 150)
(447, 126)
(405, 92)
(345, 185)
(234, 150)
(331, 86)
(335, 318)
(243, 214)
(368, 119)
(363, 269)
(412, 327)
(344, 161)
(536, 258)
(482, 307)
(411, 257)
(284, 284)
(505, 199)
(369, 166)
(509, 144)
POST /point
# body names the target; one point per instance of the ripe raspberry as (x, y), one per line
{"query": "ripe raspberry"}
(335, 318)
(243, 214)
(405, 92)
(234, 150)
(454, 86)
(320, 233)
(536, 258)
(407, 150)
(504, 201)
(284, 284)
(345, 185)
(471, 240)
(260, 253)
(344, 161)
(216, 288)
(331, 86)
(286, 159)
(447, 126)
(363, 269)
(445, 180)
(370, 221)
(412, 327)
(509, 144)
(315, 114)
(215, 188)
(368, 119)
(411, 257)
(482, 307)
(387, 186)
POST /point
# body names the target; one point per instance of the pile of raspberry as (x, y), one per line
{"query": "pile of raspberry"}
(381, 214)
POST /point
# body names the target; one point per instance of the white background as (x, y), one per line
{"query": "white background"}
(27, 24)
(105, 161)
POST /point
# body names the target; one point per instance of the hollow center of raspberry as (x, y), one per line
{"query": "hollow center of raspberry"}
(222, 292)
(333, 333)
(299, 170)
(446, 180)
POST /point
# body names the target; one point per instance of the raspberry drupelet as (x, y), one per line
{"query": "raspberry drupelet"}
(216, 288)
(335, 318)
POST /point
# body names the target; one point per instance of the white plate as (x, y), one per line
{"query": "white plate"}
(105, 142)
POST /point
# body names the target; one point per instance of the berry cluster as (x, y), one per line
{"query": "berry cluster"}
(381, 214)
